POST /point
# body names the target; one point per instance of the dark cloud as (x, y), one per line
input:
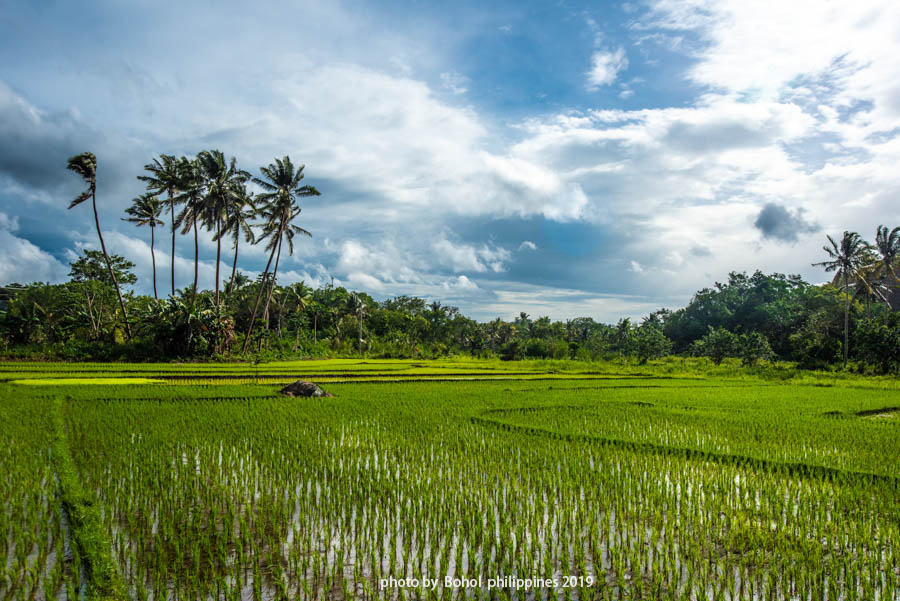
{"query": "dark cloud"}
(35, 144)
(776, 222)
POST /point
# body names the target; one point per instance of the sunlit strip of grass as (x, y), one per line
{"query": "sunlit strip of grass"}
(85, 381)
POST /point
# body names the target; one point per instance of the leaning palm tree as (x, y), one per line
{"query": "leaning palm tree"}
(145, 210)
(165, 176)
(278, 208)
(887, 244)
(85, 165)
(221, 182)
(190, 183)
(846, 260)
(241, 210)
(287, 234)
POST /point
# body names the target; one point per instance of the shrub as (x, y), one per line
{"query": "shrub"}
(754, 347)
(717, 344)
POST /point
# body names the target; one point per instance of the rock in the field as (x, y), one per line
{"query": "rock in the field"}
(303, 388)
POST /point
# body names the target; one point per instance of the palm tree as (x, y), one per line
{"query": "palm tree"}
(165, 176)
(221, 182)
(278, 208)
(357, 305)
(887, 244)
(191, 185)
(864, 282)
(302, 297)
(145, 210)
(846, 260)
(241, 210)
(85, 165)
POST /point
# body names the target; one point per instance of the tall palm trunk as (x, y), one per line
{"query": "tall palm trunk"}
(153, 257)
(172, 214)
(272, 286)
(196, 257)
(271, 291)
(846, 319)
(259, 293)
(887, 303)
(237, 239)
(218, 258)
(112, 274)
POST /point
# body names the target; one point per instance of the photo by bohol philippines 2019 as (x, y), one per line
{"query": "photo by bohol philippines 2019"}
(400, 301)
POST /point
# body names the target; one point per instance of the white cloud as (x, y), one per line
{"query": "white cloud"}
(22, 262)
(465, 257)
(460, 284)
(843, 50)
(527, 245)
(455, 83)
(604, 67)
(560, 303)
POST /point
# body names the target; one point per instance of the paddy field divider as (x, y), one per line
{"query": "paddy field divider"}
(103, 582)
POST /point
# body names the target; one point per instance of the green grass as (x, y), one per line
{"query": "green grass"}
(665, 481)
(85, 381)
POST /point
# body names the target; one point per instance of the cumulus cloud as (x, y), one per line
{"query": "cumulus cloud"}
(460, 284)
(605, 66)
(23, 262)
(776, 222)
(527, 245)
(466, 257)
(837, 52)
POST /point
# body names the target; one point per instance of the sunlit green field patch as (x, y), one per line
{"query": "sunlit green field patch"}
(86, 381)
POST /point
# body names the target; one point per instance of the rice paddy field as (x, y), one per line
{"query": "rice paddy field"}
(446, 480)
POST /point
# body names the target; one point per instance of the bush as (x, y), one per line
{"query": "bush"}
(754, 347)
(718, 344)
(650, 343)
(878, 345)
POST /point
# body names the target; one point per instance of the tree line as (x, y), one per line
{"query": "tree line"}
(95, 315)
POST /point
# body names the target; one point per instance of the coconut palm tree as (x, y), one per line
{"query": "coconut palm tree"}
(241, 211)
(301, 294)
(278, 208)
(887, 245)
(145, 210)
(85, 165)
(287, 234)
(221, 182)
(356, 305)
(846, 260)
(165, 176)
(190, 183)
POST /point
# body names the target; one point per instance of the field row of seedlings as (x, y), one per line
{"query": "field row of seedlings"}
(36, 557)
(232, 498)
(13, 370)
(755, 422)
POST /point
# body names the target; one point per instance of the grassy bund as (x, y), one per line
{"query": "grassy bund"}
(534, 480)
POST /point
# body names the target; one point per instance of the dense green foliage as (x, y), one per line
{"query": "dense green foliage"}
(644, 482)
(757, 317)
(753, 318)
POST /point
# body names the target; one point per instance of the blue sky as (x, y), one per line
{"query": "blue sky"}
(563, 159)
